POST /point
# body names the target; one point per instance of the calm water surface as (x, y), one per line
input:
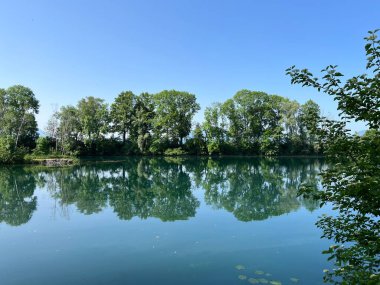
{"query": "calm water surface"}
(161, 221)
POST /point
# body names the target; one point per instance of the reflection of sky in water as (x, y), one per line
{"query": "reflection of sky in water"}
(60, 245)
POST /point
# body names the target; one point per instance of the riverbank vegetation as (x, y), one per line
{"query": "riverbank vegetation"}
(253, 123)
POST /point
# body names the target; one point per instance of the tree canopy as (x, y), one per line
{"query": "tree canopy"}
(258, 123)
(251, 122)
(18, 126)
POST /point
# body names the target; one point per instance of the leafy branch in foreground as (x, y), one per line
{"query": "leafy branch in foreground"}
(352, 181)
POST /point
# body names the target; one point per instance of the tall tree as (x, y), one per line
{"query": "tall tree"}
(308, 119)
(252, 107)
(29, 133)
(232, 122)
(20, 107)
(52, 128)
(271, 124)
(122, 112)
(215, 128)
(199, 143)
(174, 112)
(69, 128)
(143, 120)
(93, 116)
(289, 119)
(255, 122)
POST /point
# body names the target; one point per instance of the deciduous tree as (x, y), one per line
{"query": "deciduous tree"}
(351, 182)
(173, 115)
(122, 113)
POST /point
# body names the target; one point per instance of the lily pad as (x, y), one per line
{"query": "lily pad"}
(253, 281)
(295, 280)
(263, 281)
(240, 267)
(259, 272)
(242, 277)
(274, 282)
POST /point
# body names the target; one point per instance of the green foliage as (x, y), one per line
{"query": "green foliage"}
(7, 146)
(29, 134)
(173, 114)
(351, 182)
(21, 106)
(175, 152)
(122, 113)
(196, 144)
(42, 146)
(309, 116)
(146, 124)
(69, 129)
(18, 126)
(143, 121)
(9, 153)
(93, 116)
(18, 107)
(270, 142)
(257, 123)
(249, 123)
(214, 128)
(159, 145)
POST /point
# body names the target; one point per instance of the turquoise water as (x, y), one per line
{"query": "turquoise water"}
(161, 221)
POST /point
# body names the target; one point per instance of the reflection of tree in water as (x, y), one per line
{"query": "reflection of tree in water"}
(135, 188)
(256, 189)
(130, 194)
(251, 189)
(172, 187)
(83, 186)
(17, 202)
(153, 188)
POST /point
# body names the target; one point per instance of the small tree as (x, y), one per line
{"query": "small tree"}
(42, 146)
(351, 183)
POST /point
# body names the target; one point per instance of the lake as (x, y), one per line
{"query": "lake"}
(161, 221)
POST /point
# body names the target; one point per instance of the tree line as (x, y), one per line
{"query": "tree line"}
(153, 124)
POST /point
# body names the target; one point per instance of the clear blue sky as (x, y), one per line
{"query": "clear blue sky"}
(65, 50)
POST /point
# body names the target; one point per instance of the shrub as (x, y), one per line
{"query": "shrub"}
(8, 152)
(175, 152)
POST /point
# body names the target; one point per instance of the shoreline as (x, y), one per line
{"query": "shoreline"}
(71, 161)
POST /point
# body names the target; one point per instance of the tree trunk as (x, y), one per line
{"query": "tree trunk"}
(19, 130)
